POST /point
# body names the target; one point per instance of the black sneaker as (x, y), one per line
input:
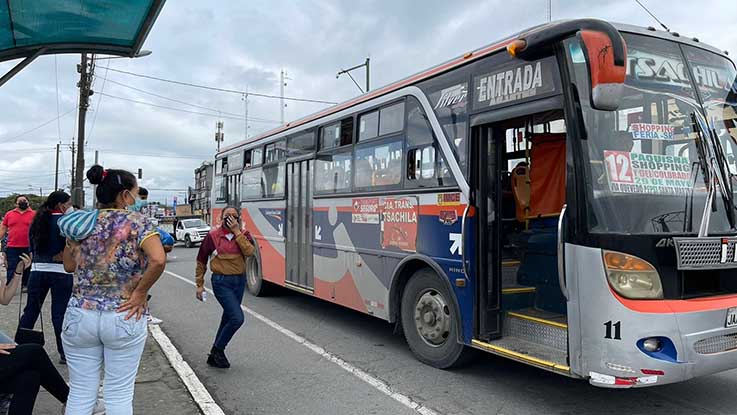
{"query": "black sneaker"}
(217, 359)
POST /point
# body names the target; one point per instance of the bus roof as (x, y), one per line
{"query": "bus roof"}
(451, 64)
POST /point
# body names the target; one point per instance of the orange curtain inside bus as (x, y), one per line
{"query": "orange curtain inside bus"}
(547, 174)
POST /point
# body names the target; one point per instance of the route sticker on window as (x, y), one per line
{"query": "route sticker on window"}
(641, 131)
(647, 173)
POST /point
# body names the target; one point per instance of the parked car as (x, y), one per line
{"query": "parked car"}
(191, 231)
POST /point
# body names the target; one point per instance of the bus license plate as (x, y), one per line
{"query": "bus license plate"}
(732, 317)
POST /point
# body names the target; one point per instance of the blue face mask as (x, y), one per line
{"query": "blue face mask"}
(138, 205)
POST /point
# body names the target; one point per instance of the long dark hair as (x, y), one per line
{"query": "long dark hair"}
(110, 183)
(40, 227)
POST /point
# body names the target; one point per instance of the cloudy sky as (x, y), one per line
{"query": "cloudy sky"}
(245, 44)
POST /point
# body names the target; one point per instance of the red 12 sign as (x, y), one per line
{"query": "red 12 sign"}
(618, 166)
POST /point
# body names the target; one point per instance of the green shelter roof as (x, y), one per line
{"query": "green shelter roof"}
(115, 27)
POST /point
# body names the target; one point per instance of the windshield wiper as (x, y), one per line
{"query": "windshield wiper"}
(724, 182)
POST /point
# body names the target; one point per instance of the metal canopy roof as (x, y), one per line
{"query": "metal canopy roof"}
(116, 27)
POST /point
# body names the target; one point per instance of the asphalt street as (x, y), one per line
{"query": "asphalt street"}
(273, 374)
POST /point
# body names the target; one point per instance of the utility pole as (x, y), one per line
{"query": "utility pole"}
(94, 188)
(245, 112)
(71, 186)
(56, 170)
(219, 135)
(281, 95)
(85, 83)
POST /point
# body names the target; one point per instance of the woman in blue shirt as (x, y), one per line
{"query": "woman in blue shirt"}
(47, 270)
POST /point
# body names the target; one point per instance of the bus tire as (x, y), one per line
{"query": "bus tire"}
(254, 279)
(429, 322)
(188, 242)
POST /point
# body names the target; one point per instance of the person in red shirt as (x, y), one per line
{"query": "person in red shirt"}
(16, 224)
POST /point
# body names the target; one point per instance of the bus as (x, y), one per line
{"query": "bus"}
(562, 198)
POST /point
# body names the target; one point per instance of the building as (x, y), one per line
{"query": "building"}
(200, 201)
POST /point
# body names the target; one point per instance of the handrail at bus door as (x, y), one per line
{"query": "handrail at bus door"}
(463, 239)
(561, 252)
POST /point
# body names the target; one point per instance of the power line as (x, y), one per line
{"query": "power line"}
(173, 156)
(188, 103)
(231, 91)
(3, 140)
(99, 101)
(187, 111)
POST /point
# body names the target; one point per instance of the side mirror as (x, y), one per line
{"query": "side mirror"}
(606, 73)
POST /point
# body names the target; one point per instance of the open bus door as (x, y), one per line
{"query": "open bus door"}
(487, 233)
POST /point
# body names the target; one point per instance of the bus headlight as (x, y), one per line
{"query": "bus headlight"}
(632, 277)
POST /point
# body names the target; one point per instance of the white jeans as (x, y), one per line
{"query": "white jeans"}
(92, 338)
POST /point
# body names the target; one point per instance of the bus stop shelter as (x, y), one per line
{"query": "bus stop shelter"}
(31, 28)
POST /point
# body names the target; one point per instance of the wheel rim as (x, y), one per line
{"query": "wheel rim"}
(432, 318)
(252, 271)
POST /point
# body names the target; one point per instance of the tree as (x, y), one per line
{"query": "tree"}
(8, 203)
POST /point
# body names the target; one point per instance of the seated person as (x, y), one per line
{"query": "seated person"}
(25, 368)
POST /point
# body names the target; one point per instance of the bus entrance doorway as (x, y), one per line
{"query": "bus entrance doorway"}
(520, 188)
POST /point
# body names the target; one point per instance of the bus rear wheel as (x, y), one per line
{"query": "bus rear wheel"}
(429, 321)
(254, 280)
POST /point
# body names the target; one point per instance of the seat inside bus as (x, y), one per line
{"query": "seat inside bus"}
(537, 188)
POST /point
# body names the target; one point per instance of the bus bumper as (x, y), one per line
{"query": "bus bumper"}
(701, 345)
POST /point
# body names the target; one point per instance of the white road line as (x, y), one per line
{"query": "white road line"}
(198, 391)
(357, 372)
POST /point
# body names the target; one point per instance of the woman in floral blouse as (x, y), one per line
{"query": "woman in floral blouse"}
(113, 269)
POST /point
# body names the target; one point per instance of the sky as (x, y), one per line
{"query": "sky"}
(245, 44)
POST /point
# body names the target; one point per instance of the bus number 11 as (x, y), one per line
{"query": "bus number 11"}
(617, 330)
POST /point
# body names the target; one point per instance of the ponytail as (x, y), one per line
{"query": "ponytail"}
(39, 231)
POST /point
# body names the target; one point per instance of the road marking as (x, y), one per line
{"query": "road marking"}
(198, 391)
(355, 371)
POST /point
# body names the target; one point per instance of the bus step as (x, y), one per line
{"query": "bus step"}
(537, 327)
(517, 297)
(524, 351)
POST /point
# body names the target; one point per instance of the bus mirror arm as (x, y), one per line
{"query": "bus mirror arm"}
(561, 254)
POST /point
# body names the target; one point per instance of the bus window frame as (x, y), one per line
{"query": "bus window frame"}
(332, 152)
(242, 195)
(389, 139)
(306, 153)
(342, 123)
(378, 109)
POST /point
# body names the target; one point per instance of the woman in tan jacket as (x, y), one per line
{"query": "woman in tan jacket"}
(226, 248)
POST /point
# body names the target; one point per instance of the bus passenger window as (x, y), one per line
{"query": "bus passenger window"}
(333, 173)
(247, 159)
(330, 135)
(419, 131)
(272, 180)
(379, 165)
(391, 119)
(368, 126)
(257, 157)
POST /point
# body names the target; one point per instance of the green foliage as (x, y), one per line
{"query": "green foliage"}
(8, 203)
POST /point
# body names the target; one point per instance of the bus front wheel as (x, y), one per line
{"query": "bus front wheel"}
(429, 321)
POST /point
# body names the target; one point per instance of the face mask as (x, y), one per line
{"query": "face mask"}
(69, 210)
(136, 207)
(23, 205)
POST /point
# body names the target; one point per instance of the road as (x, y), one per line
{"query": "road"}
(274, 374)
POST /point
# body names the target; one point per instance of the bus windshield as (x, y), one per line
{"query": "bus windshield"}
(651, 165)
